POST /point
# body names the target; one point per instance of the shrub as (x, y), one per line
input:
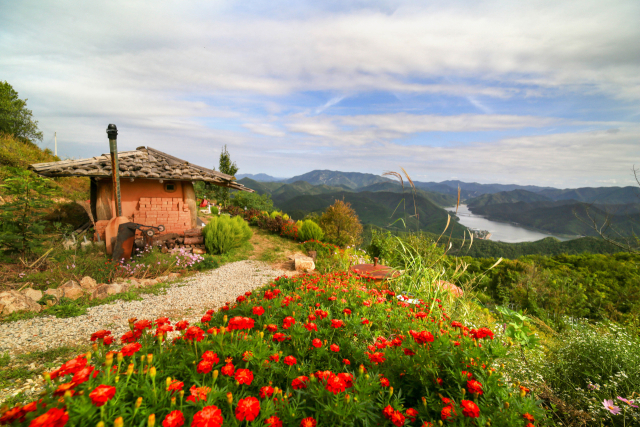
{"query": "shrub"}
(341, 224)
(242, 199)
(289, 230)
(224, 233)
(309, 230)
(360, 358)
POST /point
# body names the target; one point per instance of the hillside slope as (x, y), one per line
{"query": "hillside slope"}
(351, 180)
(601, 195)
(506, 197)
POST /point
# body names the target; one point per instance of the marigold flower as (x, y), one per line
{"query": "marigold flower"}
(408, 352)
(258, 310)
(412, 414)
(321, 313)
(174, 386)
(334, 348)
(470, 409)
(163, 329)
(308, 422)
(336, 323)
(162, 321)
(272, 328)
(72, 366)
(300, 382)
(244, 376)
(273, 421)
(100, 335)
(194, 333)
(198, 393)
(474, 387)
(54, 417)
(204, 367)
(290, 360)
(241, 323)
(228, 369)
(447, 412)
(527, 416)
(82, 375)
(279, 337)
(266, 392)
(274, 357)
(288, 322)
(384, 382)
(347, 378)
(346, 362)
(130, 349)
(310, 327)
(248, 409)
(335, 384)
(173, 419)
(388, 412)
(376, 357)
(211, 357)
(421, 337)
(397, 418)
(316, 343)
(346, 311)
(143, 324)
(210, 416)
(182, 325)
(131, 336)
(102, 394)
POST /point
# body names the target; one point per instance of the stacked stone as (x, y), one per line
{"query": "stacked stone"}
(170, 212)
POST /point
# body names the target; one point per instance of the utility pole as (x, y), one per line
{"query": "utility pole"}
(55, 137)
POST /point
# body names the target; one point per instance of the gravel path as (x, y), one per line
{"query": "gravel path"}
(201, 292)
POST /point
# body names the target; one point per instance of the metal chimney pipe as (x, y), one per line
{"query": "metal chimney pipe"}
(112, 132)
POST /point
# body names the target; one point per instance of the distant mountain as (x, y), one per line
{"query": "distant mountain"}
(559, 217)
(260, 187)
(600, 195)
(352, 180)
(506, 197)
(300, 188)
(442, 200)
(382, 208)
(260, 177)
(470, 190)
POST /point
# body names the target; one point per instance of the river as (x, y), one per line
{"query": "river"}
(500, 231)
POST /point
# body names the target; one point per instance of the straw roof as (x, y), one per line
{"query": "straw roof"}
(143, 163)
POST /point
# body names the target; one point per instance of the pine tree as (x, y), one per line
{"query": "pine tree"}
(228, 167)
(341, 224)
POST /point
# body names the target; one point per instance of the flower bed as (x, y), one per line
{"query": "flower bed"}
(305, 351)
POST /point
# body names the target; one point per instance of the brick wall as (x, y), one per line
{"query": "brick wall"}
(173, 213)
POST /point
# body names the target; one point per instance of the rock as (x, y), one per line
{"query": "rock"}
(13, 301)
(304, 263)
(100, 292)
(455, 290)
(72, 290)
(199, 251)
(88, 283)
(34, 294)
(56, 293)
(133, 283)
(173, 275)
(116, 288)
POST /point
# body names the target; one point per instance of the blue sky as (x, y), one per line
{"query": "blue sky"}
(538, 92)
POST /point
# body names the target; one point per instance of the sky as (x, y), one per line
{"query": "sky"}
(514, 92)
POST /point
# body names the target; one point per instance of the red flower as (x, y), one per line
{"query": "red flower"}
(241, 323)
(279, 337)
(290, 360)
(456, 324)
(427, 424)
(266, 391)
(334, 348)
(130, 336)
(102, 394)
(228, 369)
(273, 421)
(408, 352)
(481, 333)
(211, 357)
(100, 335)
(108, 340)
(311, 318)
(527, 416)
(447, 412)
(241, 298)
(210, 416)
(163, 329)
(310, 327)
(308, 422)
(439, 381)
(194, 333)
(82, 375)
(376, 357)
(130, 349)
(288, 322)
(335, 384)
(143, 324)
(182, 325)
(347, 378)
(335, 323)
(412, 413)
(175, 386)
(272, 328)
(384, 382)
(258, 310)
(346, 311)
(470, 409)
(206, 318)
(346, 361)
(63, 388)
(72, 366)
(54, 417)
(204, 367)
(173, 419)
(248, 409)
(474, 387)
(198, 393)
(162, 321)
(397, 419)
(422, 336)
(274, 357)
(388, 412)
(321, 313)
(244, 376)
(316, 343)
(365, 321)
(300, 382)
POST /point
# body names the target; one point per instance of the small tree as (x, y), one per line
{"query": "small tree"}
(15, 118)
(228, 167)
(21, 223)
(341, 224)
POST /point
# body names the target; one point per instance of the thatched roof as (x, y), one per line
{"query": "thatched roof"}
(143, 163)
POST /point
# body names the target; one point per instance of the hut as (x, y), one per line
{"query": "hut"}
(155, 187)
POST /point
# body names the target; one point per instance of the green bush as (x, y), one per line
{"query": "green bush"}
(310, 231)
(242, 199)
(224, 233)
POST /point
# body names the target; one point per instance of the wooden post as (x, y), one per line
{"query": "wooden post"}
(103, 200)
(189, 195)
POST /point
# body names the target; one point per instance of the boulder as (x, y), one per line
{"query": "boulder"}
(105, 290)
(304, 263)
(88, 283)
(13, 301)
(56, 293)
(199, 251)
(148, 282)
(161, 279)
(117, 288)
(133, 283)
(34, 294)
(72, 290)
(173, 275)
(453, 289)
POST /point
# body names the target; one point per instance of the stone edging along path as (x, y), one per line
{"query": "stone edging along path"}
(199, 293)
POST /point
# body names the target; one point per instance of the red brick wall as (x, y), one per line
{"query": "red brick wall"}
(173, 213)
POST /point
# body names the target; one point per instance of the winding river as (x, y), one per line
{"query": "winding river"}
(500, 231)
